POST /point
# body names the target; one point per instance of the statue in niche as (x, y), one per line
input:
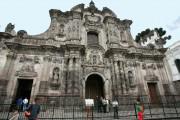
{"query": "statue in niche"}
(55, 82)
(131, 78)
(94, 60)
(55, 75)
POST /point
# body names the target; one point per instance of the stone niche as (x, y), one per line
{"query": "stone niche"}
(54, 81)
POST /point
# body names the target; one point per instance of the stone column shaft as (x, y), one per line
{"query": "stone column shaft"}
(8, 68)
(76, 76)
(66, 74)
(117, 87)
(113, 78)
(70, 75)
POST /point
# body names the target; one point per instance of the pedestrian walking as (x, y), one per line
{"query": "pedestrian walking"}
(25, 103)
(34, 110)
(19, 103)
(139, 109)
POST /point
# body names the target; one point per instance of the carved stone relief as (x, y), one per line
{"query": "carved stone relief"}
(27, 65)
(53, 59)
(94, 57)
(93, 21)
(61, 30)
(73, 30)
(25, 58)
(113, 33)
(27, 69)
(150, 75)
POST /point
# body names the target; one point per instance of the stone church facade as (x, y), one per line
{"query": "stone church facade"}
(85, 52)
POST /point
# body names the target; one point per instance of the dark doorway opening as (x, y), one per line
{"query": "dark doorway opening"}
(153, 93)
(24, 87)
(94, 86)
(92, 38)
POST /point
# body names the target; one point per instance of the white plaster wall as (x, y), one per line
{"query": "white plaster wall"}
(172, 54)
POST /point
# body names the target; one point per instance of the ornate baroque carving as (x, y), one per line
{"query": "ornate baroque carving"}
(27, 70)
(25, 58)
(73, 30)
(94, 21)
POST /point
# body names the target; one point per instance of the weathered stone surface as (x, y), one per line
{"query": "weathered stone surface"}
(60, 60)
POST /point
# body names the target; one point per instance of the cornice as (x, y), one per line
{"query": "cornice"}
(5, 35)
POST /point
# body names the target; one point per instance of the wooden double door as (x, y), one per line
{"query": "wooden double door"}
(94, 87)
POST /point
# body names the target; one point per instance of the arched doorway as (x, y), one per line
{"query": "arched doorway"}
(94, 86)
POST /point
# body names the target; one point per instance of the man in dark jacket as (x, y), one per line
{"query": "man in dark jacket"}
(34, 109)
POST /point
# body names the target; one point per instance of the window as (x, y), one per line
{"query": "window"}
(177, 62)
(92, 38)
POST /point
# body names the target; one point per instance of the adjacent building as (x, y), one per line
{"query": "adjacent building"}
(173, 65)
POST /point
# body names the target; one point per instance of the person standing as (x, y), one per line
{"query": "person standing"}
(34, 110)
(98, 104)
(25, 103)
(139, 109)
(19, 103)
(115, 106)
(104, 105)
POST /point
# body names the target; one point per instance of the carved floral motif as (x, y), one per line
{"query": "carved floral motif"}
(73, 30)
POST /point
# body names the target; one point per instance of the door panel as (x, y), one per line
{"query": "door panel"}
(94, 86)
(153, 92)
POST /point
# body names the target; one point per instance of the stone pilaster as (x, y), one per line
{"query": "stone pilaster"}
(70, 75)
(117, 86)
(45, 69)
(9, 66)
(123, 77)
(66, 74)
(113, 78)
(76, 76)
(44, 75)
(139, 79)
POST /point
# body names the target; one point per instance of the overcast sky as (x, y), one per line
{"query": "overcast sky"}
(33, 15)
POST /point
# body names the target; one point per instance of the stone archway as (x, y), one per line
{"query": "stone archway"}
(94, 86)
